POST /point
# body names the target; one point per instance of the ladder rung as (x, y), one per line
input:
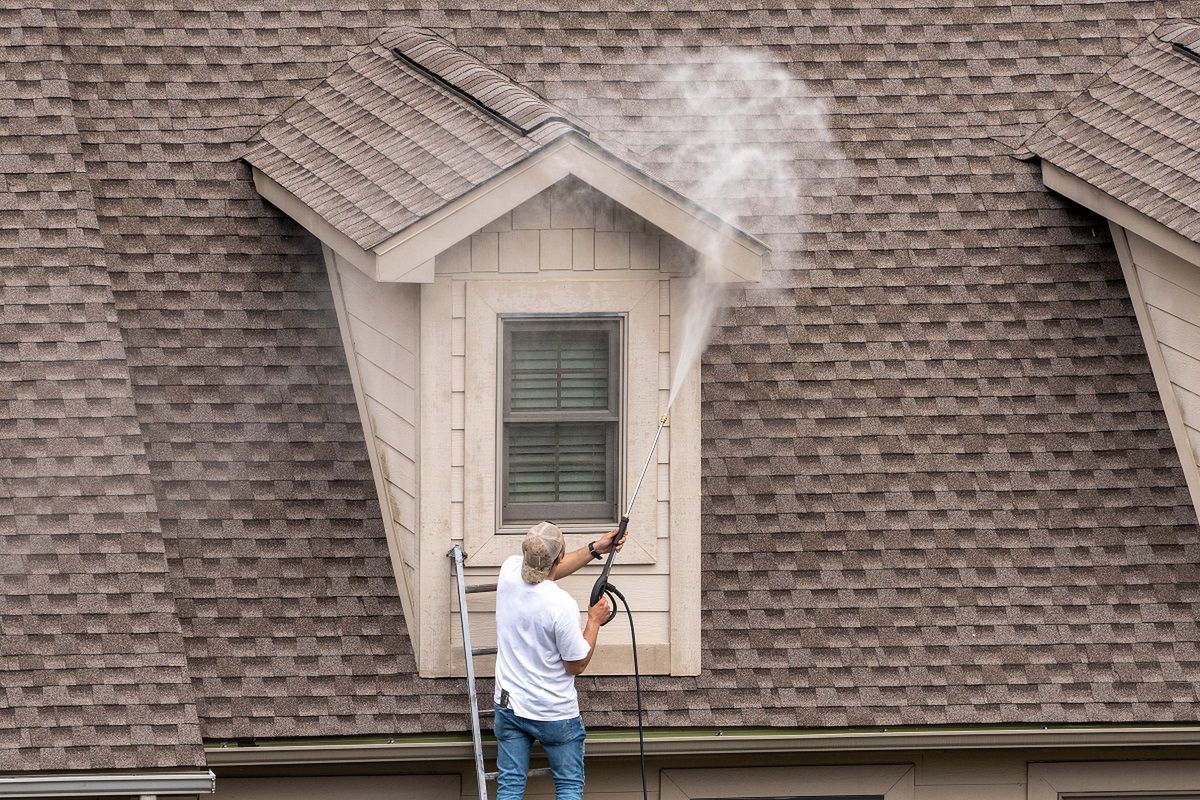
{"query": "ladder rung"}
(483, 587)
(487, 712)
(483, 651)
(540, 772)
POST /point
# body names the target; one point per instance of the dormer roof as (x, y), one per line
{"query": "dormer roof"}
(1134, 132)
(411, 131)
(406, 125)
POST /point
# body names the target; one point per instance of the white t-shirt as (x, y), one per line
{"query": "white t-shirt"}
(537, 628)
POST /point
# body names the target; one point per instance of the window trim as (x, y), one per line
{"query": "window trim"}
(639, 301)
(572, 512)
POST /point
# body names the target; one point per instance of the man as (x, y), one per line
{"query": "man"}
(540, 650)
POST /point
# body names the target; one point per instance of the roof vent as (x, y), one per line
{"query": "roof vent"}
(1183, 35)
(463, 93)
(1185, 51)
(481, 85)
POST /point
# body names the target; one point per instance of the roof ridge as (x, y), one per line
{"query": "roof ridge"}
(1097, 80)
(1181, 34)
(475, 81)
(1186, 51)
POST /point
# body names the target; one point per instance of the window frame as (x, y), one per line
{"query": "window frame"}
(572, 512)
(1105, 780)
(641, 301)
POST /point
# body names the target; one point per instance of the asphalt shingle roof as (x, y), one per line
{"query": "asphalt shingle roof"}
(406, 125)
(1134, 133)
(938, 485)
(92, 670)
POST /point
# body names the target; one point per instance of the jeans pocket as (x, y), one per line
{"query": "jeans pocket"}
(562, 731)
(503, 724)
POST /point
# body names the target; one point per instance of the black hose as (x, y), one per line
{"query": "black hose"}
(611, 590)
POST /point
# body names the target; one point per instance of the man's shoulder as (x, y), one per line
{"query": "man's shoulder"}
(509, 570)
(561, 598)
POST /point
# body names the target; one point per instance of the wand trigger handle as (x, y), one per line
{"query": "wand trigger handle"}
(602, 580)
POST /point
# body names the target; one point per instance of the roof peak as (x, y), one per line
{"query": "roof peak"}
(1183, 35)
(478, 83)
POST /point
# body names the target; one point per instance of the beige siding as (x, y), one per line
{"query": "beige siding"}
(380, 327)
(346, 787)
(569, 233)
(570, 227)
(971, 775)
(425, 407)
(1170, 288)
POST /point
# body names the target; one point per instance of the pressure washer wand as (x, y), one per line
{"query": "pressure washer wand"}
(602, 581)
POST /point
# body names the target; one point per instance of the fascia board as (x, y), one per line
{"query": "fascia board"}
(315, 224)
(109, 785)
(1085, 194)
(735, 255)
(685, 204)
(662, 743)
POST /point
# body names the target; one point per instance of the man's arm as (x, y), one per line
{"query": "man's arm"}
(597, 614)
(572, 561)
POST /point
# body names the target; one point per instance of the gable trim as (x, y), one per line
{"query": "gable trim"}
(731, 255)
(1085, 194)
(728, 254)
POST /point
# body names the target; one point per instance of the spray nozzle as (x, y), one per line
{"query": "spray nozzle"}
(662, 420)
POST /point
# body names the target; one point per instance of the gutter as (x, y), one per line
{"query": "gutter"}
(667, 742)
(106, 785)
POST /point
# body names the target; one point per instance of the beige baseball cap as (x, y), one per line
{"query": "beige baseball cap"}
(540, 549)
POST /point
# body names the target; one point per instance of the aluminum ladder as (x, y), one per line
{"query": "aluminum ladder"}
(482, 776)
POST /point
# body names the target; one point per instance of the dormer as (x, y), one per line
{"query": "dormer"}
(1128, 148)
(511, 296)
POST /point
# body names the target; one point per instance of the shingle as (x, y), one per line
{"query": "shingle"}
(406, 125)
(1134, 132)
(934, 458)
(92, 668)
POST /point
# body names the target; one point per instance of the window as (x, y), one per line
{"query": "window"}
(561, 419)
(466, 425)
(857, 782)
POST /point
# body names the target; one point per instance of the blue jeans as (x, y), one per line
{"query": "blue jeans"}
(563, 742)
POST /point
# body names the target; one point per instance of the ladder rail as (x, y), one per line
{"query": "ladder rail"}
(456, 554)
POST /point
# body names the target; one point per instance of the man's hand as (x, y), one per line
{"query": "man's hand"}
(600, 612)
(605, 542)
